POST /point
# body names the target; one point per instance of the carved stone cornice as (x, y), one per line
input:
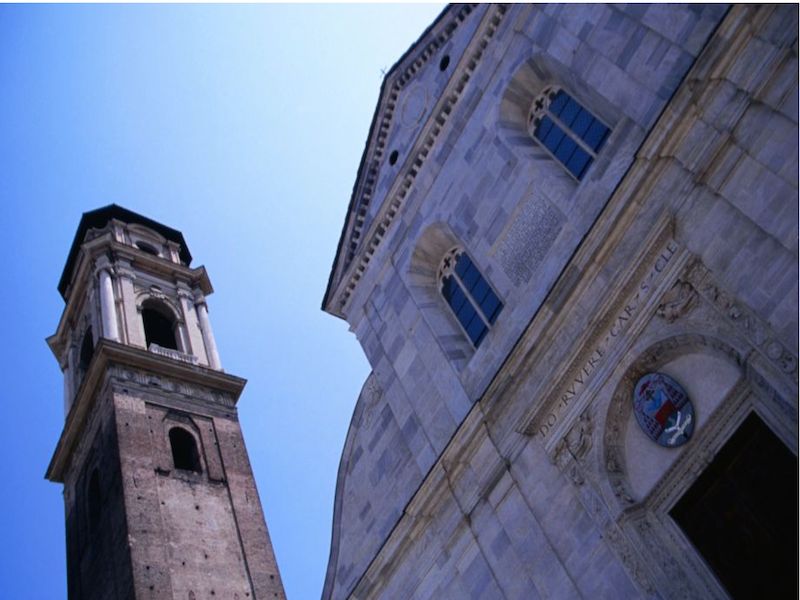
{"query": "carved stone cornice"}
(121, 259)
(348, 270)
(108, 353)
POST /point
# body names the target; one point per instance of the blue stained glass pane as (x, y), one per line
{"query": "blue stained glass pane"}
(596, 135)
(553, 138)
(565, 150)
(579, 162)
(462, 264)
(466, 314)
(476, 330)
(558, 103)
(489, 306)
(470, 277)
(569, 113)
(458, 299)
(447, 288)
(496, 312)
(543, 128)
(582, 123)
(479, 291)
(480, 337)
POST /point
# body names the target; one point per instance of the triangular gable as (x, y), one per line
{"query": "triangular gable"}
(411, 92)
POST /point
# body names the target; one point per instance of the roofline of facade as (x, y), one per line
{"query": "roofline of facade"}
(390, 75)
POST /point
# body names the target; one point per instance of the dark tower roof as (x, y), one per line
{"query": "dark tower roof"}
(98, 218)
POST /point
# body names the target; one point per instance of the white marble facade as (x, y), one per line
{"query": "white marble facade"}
(516, 469)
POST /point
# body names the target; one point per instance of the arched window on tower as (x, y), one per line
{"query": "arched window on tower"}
(184, 450)
(159, 325)
(87, 351)
(469, 295)
(569, 132)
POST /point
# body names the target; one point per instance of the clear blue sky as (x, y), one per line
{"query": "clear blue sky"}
(241, 126)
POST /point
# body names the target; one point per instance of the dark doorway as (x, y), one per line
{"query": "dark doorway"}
(158, 329)
(741, 514)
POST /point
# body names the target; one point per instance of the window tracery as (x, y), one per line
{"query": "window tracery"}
(472, 300)
(569, 132)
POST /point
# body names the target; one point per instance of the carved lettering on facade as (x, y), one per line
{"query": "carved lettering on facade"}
(578, 380)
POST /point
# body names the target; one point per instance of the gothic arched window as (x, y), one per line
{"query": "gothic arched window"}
(184, 450)
(159, 325)
(569, 132)
(468, 295)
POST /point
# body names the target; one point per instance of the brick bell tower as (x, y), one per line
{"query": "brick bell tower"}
(159, 495)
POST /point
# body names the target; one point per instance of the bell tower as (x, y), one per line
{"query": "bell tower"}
(159, 496)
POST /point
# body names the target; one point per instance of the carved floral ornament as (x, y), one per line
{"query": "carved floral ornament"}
(746, 322)
(677, 302)
(448, 264)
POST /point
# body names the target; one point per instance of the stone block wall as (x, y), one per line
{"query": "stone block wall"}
(487, 186)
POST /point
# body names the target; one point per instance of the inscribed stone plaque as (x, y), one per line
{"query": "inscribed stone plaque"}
(530, 235)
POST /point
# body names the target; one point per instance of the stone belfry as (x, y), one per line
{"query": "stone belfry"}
(160, 499)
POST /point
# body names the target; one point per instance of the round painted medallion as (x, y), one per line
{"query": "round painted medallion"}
(663, 410)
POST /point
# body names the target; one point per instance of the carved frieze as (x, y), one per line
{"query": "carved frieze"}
(167, 384)
(757, 332)
(596, 508)
(354, 267)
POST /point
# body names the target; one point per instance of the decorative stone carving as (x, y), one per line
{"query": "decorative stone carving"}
(746, 322)
(664, 557)
(190, 391)
(677, 302)
(579, 438)
(620, 407)
(617, 540)
(630, 558)
(571, 449)
(372, 395)
(528, 238)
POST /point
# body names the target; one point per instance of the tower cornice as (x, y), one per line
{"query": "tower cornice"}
(99, 218)
(118, 253)
(108, 353)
